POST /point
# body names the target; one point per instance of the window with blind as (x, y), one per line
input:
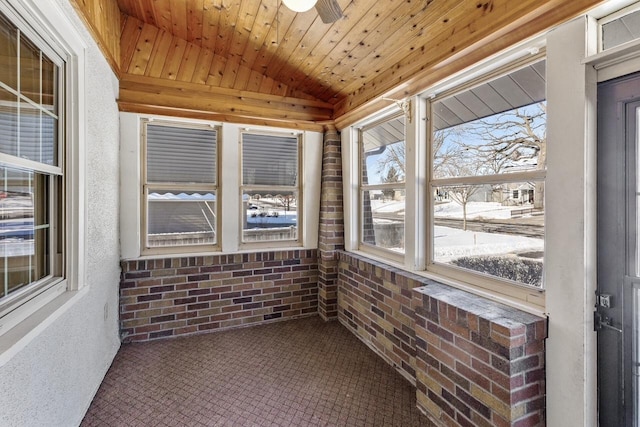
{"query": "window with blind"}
(31, 167)
(181, 185)
(270, 187)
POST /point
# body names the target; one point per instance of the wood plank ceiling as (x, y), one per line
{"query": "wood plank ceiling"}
(256, 61)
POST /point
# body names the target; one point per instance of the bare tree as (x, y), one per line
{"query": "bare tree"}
(511, 140)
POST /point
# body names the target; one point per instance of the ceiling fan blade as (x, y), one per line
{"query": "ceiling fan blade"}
(329, 11)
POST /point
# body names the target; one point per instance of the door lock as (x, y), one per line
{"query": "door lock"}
(600, 321)
(604, 300)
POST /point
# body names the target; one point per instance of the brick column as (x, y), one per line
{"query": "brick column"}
(331, 233)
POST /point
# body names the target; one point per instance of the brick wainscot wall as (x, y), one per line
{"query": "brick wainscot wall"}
(474, 362)
(178, 296)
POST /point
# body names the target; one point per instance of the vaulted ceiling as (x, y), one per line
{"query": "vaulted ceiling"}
(256, 61)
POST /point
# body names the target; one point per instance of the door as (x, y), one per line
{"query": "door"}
(618, 294)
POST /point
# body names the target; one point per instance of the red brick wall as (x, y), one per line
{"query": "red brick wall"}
(331, 225)
(478, 363)
(474, 362)
(374, 302)
(177, 296)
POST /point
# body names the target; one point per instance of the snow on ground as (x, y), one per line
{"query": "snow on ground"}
(450, 243)
(450, 209)
(388, 206)
(492, 210)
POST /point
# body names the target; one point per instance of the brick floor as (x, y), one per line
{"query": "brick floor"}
(301, 372)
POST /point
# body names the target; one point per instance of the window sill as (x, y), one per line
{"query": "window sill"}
(241, 250)
(520, 303)
(18, 337)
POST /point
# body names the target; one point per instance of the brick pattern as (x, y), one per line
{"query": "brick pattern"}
(178, 296)
(375, 304)
(331, 231)
(478, 363)
(299, 373)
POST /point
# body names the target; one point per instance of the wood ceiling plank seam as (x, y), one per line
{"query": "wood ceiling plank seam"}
(313, 42)
(104, 23)
(162, 10)
(201, 73)
(128, 41)
(195, 16)
(261, 27)
(139, 10)
(210, 24)
(242, 78)
(353, 108)
(228, 18)
(217, 69)
(189, 62)
(282, 20)
(266, 85)
(143, 50)
(255, 80)
(290, 42)
(148, 13)
(242, 32)
(132, 81)
(125, 6)
(229, 73)
(398, 42)
(279, 89)
(179, 19)
(451, 36)
(377, 16)
(159, 54)
(174, 58)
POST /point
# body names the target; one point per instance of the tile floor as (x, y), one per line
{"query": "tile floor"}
(303, 372)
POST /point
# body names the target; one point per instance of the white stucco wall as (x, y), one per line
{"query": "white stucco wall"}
(51, 380)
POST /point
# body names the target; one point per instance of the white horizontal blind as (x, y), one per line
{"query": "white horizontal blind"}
(269, 160)
(179, 154)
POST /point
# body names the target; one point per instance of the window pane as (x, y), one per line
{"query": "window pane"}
(9, 53)
(24, 228)
(49, 85)
(497, 127)
(383, 218)
(383, 153)
(184, 218)
(497, 230)
(8, 123)
(29, 70)
(269, 216)
(177, 154)
(269, 160)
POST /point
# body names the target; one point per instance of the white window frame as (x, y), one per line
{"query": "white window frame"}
(177, 249)
(418, 208)
(297, 188)
(394, 113)
(45, 22)
(228, 187)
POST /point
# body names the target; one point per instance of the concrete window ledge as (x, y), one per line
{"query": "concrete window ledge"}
(477, 361)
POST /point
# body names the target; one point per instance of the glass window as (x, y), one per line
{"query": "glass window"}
(382, 184)
(270, 190)
(31, 173)
(488, 165)
(181, 185)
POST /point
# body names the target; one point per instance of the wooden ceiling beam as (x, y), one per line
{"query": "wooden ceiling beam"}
(141, 93)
